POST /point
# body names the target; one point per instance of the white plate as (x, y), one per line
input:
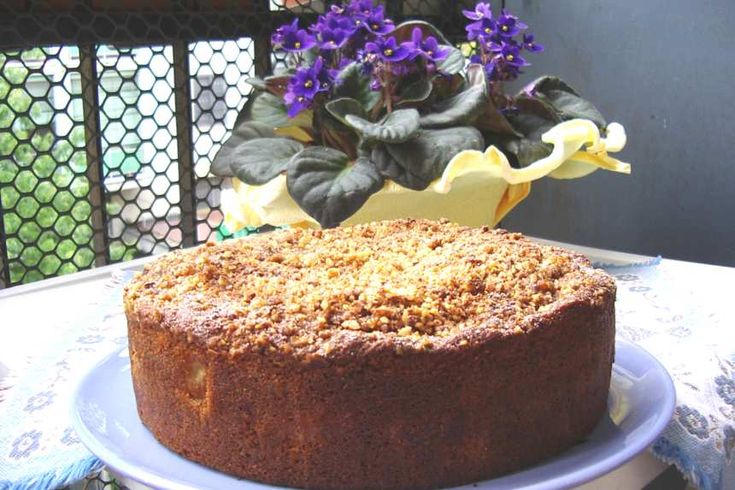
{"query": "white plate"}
(639, 407)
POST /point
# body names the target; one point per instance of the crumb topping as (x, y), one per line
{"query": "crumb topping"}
(413, 282)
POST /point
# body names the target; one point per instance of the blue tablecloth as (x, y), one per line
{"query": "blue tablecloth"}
(679, 312)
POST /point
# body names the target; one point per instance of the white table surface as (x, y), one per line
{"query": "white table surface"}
(34, 307)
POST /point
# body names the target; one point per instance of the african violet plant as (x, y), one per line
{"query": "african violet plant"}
(364, 101)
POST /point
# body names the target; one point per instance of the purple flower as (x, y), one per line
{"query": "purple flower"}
(361, 7)
(330, 39)
(530, 45)
(482, 29)
(387, 49)
(508, 25)
(333, 21)
(510, 54)
(290, 38)
(377, 23)
(296, 103)
(305, 82)
(304, 85)
(280, 33)
(428, 48)
(482, 11)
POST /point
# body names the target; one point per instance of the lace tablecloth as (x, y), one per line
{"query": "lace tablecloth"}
(680, 312)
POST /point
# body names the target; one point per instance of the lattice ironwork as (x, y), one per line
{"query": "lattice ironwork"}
(111, 112)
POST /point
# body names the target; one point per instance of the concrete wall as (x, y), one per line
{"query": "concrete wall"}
(665, 70)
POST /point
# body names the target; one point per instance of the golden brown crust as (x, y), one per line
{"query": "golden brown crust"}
(401, 285)
(381, 409)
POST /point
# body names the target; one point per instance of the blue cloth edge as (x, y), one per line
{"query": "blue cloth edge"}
(660, 449)
(58, 478)
(653, 261)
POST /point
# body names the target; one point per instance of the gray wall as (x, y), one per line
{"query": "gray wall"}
(665, 70)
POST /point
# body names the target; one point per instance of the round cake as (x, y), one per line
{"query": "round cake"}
(399, 354)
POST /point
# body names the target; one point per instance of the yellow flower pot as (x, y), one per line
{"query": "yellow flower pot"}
(476, 188)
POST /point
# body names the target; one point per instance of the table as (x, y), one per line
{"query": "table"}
(678, 311)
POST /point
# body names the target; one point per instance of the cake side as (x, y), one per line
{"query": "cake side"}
(474, 399)
(384, 421)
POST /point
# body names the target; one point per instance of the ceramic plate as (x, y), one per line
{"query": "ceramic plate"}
(639, 407)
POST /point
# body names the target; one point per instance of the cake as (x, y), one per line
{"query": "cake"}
(397, 354)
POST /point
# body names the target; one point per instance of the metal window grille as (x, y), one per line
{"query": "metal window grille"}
(111, 112)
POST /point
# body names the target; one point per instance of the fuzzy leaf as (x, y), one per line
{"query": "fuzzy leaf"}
(345, 106)
(565, 100)
(546, 83)
(325, 185)
(294, 60)
(572, 107)
(418, 91)
(228, 154)
(533, 118)
(531, 125)
(277, 85)
(396, 127)
(494, 121)
(461, 107)
(411, 178)
(256, 82)
(257, 161)
(417, 162)
(526, 104)
(453, 63)
(528, 150)
(270, 110)
(403, 31)
(354, 84)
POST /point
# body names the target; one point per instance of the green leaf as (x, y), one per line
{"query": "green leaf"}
(269, 109)
(257, 161)
(454, 61)
(246, 112)
(325, 185)
(256, 82)
(277, 85)
(354, 84)
(571, 107)
(418, 91)
(526, 104)
(403, 31)
(417, 162)
(461, 107)
(493, 120)
(344, 106)
(294, 60)
(395, 127)
(227, 155)
(530, 125)
(528, 150)
(532, 120)
(546, 83)
(565, 100)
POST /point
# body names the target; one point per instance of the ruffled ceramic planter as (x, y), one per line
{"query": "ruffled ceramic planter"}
(476, 188)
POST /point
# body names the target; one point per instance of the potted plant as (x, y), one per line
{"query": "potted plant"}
(372, 120)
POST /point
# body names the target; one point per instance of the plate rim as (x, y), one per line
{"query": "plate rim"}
(578, 476)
